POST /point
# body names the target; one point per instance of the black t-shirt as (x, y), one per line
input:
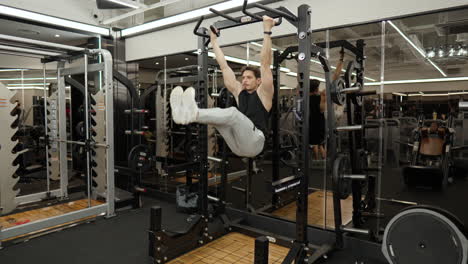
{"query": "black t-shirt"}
(317, 121)
(252, 107)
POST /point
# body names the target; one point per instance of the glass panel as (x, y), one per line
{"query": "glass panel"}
(357, 201)
(422, 166)
(283, 205)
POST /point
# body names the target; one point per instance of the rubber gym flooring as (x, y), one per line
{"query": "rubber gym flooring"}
(452, 199)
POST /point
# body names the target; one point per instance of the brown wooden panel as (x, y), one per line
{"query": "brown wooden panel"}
(231, 248)
(43, 213)
(316, 213)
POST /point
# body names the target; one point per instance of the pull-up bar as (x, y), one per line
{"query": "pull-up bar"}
(288, 15)
(249, 18)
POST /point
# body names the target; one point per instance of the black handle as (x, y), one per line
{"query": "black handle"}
(274, 11)
(224, 15)
(280, 20)
(197, 27)
(254, 16)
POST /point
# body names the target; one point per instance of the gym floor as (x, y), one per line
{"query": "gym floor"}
(124, 238)
(119, 240)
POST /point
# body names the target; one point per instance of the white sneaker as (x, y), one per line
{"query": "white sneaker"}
(190, 108)
(176, 104)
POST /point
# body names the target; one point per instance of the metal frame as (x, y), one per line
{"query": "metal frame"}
(106, 208)
(301, 249)
(202, 100)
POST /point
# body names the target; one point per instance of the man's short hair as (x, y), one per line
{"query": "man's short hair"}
(255, 70)
(314, 85)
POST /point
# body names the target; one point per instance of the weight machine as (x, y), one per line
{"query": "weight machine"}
(98, 144)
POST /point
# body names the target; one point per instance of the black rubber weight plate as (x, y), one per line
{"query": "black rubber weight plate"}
(423, 236)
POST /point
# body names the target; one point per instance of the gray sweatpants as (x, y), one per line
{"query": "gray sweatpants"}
(240, 134)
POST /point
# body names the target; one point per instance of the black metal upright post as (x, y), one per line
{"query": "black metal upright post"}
(360, 44)
(303, 77)
(356, 137)
(248, 187)
(201, 95)
(332, 152)
(275, 116)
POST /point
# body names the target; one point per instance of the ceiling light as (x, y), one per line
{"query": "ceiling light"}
(441, 53)
(10, 70)
(57, 35)
(431, 54)
(440, 94)
(32, 51)
(407, 39)
(26, 84)
(182, 17)
(420, 81)
(157, 63)
(451, 52)
(423, 54)
(437, 67)
(186, 59)
(124, 3)
(27, 88)
(458, 93)
(28, 79)
(32, 16)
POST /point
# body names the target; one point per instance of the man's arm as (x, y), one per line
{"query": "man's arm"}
(339, 67)
(266, 89)
(323, 101)
(229, 76)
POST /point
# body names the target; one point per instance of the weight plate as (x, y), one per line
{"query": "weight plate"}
(340, 168)
(139, 158)
(337, 86)
(80, 129)
(422, 234)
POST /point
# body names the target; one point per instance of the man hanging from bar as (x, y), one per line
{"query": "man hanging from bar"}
(243, 129)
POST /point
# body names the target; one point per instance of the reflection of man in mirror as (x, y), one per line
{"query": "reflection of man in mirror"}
(243, 128)
(317, 107)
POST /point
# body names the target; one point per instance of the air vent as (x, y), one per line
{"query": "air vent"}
(28, 31)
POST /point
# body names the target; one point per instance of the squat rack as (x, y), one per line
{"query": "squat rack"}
(165, 245)
(301, 251)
